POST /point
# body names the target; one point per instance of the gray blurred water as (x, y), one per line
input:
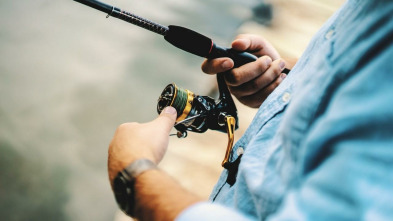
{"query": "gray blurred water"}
(68, 77)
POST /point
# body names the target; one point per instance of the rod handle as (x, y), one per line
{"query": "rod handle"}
(239, 57)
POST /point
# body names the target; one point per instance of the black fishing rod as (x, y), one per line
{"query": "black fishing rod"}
(183, 38)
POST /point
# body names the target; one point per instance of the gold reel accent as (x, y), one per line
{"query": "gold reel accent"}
(230, 126)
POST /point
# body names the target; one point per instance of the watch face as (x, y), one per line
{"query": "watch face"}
(122, 189)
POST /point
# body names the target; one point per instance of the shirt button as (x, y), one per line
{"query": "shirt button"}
(240, 151)
(286, 97)
(329, 34)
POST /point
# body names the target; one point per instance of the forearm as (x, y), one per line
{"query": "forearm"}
(160, 197)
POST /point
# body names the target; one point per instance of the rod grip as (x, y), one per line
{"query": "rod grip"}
(239, 58)
(200, 45)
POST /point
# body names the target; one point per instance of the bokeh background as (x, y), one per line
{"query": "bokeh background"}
(69, 76)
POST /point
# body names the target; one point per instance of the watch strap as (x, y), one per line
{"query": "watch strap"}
(137, 167)
(124, 190)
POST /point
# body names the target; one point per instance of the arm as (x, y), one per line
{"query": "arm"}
(157, 195)
(252, 82)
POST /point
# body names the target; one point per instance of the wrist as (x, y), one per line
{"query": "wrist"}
(159, 197)
(130, 155)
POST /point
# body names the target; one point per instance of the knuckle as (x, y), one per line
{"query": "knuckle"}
(263, 63)
(254, 86)
(126, 126)
(235, 91)
(271, 79)
(277, 69)
(205, 67)
(272, 87)
(237, 78)
(233, 79)
(268, 60)
(265, 80)
(276, 83)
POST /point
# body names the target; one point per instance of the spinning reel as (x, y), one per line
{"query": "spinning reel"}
(199, 113)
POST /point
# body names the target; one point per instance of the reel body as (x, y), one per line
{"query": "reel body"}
(199, 113)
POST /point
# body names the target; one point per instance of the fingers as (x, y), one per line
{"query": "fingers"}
(252, 71)
(255, 100)
(251, 85)
(167, 119)
(218, 65)
(251, 43)
(253, 82)
(248, 43)
(256, 45)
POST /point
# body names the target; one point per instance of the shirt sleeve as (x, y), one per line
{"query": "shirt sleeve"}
(347, 157)
(210, 212)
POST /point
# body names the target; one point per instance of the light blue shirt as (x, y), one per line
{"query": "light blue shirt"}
(321, 145)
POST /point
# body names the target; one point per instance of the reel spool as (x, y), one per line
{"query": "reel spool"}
(199, 113)
(190, 115)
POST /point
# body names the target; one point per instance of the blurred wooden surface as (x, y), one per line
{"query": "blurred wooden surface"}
(195, 161)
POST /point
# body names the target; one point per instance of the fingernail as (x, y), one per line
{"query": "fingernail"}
(226, 64)
(170, 110)
(283, 76)
(282, 64)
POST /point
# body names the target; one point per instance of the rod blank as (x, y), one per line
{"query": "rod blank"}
(97, 5)
(126, 16)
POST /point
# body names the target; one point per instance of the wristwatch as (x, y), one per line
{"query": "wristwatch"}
(123, 184)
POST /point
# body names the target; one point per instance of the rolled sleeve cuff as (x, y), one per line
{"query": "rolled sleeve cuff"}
(208, 211)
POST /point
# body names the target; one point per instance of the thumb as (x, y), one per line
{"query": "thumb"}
(167, 118)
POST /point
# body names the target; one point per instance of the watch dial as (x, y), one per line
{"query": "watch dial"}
(123, 194)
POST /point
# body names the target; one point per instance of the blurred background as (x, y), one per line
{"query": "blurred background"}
(69, 76)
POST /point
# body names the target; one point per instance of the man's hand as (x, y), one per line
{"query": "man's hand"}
(252, 82)
(157, 195)
(134, 141)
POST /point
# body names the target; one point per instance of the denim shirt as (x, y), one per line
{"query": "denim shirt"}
(321, 146)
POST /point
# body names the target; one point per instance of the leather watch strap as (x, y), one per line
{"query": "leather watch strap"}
(124, 182)
(139, 166)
